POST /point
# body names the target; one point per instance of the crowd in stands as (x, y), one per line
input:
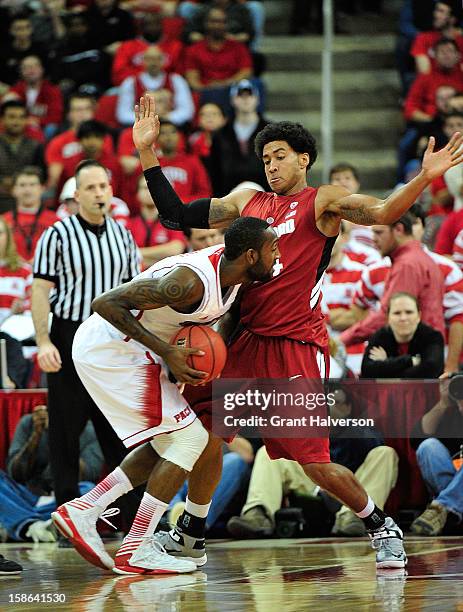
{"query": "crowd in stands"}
(70, 75)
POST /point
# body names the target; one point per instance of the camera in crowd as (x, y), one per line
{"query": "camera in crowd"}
(289, 523)
(456, 387)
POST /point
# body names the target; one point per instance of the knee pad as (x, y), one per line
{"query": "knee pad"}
(183, 446)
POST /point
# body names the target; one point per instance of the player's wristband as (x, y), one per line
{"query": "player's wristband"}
(173, 213)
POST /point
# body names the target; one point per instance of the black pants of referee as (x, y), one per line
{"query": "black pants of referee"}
(69, 408)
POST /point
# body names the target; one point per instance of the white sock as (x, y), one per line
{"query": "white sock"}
(199, 510)
(367, 510)
(145, 522)
(109, 489)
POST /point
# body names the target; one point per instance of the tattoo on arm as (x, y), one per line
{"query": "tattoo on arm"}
(358, 214)
(221, 214)
(175, 289)
(147, 294)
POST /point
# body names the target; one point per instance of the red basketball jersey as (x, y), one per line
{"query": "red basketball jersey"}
(289, 304)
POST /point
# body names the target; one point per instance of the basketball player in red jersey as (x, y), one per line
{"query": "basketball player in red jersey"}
(284, 332)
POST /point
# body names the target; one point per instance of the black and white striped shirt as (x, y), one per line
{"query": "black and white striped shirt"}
(84, 261)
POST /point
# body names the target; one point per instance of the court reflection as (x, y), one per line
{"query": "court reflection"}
(252, 576)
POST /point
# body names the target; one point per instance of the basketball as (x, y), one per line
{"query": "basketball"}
(207, 340)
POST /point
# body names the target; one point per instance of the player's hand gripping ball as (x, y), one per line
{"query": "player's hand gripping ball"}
(207, 340)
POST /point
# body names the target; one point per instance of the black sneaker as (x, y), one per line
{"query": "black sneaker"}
(8, 568)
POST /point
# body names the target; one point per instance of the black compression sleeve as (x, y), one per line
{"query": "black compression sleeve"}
(173, 213)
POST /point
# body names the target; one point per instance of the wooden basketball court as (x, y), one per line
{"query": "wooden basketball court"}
(246, 576)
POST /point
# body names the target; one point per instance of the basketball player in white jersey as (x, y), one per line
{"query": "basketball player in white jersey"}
(123, 356)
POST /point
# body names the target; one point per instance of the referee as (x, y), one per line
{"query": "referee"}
(77, 259)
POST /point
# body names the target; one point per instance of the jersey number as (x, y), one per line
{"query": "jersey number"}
(277, 268)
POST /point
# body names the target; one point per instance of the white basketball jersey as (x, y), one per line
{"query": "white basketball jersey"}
(165, 322)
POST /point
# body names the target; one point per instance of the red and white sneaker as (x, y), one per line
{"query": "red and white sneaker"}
(148, 557)
(76, 520)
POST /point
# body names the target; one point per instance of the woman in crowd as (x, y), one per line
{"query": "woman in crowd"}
(405, 348)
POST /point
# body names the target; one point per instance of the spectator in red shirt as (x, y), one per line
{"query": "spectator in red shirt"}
(420, 108)
(91, 135)
(448, 231)
(28, 219)
(153, 239)
(81, 107)
(215, 63)
(420, 104)
(412, 271)
(444, 199)
(185, 172)
(210, 119)
(128, 60)
(43, 100)
(444, 26)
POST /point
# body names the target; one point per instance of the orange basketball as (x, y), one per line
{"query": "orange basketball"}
(207, 340)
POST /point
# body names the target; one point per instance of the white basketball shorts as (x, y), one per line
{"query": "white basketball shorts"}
(128, 383)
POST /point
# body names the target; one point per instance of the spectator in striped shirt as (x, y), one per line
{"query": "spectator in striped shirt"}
(339, 286)
(15, 276)
(151, 79)
(76, 260)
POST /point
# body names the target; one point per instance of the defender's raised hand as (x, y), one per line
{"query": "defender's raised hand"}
(146, 127)
(435, 163)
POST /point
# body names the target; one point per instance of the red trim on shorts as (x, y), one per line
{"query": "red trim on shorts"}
(150, 397)
(150, 437)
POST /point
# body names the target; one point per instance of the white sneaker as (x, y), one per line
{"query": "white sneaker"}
(76, 520)
(149, 557)
(390, 586)
(169, 592)
(389, 545)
